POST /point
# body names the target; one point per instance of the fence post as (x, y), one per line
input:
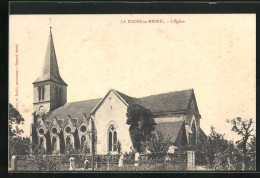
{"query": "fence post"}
(191, 160)
(137, 159)
(96, 163)
(121, 161)
(72, 163)
(107, 162)
(86, 164)
(14, 163)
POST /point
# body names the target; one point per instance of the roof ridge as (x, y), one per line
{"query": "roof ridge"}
(125, 94)
(140, 97)
(166, 93)
(82, 100)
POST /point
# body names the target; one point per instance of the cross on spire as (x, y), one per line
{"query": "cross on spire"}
(50, 23)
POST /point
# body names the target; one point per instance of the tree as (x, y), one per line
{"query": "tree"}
(141, 124)
(252, 144)
(252, 153)
(18, 145)
(214, 146)
(14, 118)
(244, 129)
(158, 144)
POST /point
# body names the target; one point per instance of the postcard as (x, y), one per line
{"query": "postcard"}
(132, 92)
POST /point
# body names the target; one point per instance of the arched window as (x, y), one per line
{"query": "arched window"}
(83, 139)
(41, 142)
(193, 134)
(43, 92)
(58, 94)
(39, 93)
(42, 145)
(54, 130)
(67, 129)
(54, 144)
(115, 141)
(41, 131)
(67, 140)
(83, 129)
(112, 139)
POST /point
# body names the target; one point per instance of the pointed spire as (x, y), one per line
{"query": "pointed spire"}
(50, 70)
(50, 25)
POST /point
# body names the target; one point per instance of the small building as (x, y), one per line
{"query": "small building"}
(98, 124)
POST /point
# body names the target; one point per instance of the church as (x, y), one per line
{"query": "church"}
(100, 124)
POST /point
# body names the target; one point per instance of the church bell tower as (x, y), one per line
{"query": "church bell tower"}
(49, 89)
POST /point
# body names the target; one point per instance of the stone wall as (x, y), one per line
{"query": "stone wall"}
(179, 161)
(112, 112)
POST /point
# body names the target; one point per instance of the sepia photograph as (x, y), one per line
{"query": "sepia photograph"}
(132, 92)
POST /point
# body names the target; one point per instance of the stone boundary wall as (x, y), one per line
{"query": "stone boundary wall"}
(179, 161)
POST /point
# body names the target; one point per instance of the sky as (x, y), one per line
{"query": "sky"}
(215, 54)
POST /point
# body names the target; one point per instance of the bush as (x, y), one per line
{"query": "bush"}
(38, 150)
(18, 146)
(158, 144)
(69, 149)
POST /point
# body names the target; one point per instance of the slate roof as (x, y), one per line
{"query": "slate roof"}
(166, 102)
(169, 129)
(130, 100)
(173, 101)
(60, 122)
(74, 110)
(50, 70)
(202, 134)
